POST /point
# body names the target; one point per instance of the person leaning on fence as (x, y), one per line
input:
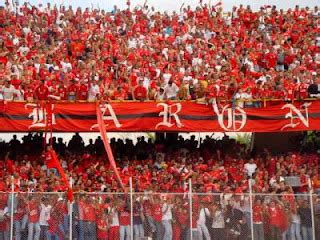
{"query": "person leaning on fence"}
(44, 217)
(138, 219)
(201, 222)
(258, 212)
(33, 210)
(125, 221)
(304, 211)
(20, 217)
(4, 216)
(167, 218)
(218, 223)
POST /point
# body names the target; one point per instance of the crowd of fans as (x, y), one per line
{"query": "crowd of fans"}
(162, 166)
(220, 171)
(138, 53)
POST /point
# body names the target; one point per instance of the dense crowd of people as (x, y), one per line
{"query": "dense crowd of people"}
(56, 52)
(161, 166)
(220, 171)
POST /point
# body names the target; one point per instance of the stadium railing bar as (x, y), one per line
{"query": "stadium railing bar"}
(148, 215)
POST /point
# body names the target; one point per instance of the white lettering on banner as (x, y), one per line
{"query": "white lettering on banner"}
(232, 123)
(297, 114)
(112, 117)
(168, 114)
(39, 115)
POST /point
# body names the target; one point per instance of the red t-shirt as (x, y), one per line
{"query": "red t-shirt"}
(140, 93)
(124, 217)
(34, 212)
(102, 230)
(41, 92)
(83, 92)
(257, 214)
(157, 212)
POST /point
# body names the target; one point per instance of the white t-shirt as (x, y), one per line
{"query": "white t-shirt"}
(8, 92)
(166, 212)
(250, 168)
(171, 91)
(93, 91)
(202, 215)
(44, 215)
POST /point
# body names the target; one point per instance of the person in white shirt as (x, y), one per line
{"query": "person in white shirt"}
(94, 90)
(159, 96)
(170, 91)
(44, 217)
(8, 91)
(167, 220)
(250, 167)
(201, 223)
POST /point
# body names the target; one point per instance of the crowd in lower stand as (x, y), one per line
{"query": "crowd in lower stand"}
(220, 172)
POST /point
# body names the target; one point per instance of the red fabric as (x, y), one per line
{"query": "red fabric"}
(103, 132)
(144, 117)
(124, 218)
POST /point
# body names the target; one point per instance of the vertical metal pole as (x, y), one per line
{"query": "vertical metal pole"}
(131, 209)
(12, 208)
(70, 212)
(312, 211)
(251, 208)
(190, 207)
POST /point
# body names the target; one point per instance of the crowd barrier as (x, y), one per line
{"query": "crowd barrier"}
(133, 215)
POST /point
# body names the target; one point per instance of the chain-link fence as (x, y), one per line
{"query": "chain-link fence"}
(167, 216)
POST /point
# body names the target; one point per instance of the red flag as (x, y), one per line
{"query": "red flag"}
(103, 132)
(52, 161)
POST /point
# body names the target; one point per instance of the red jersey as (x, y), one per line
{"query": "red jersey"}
(89, 213)
(102, 228)
(157, 212)
(140, 93)
(83, 92)
(34, 212)
(41, 92)
(72, 90)
(124, 217)
(257, 214)
(62, 92)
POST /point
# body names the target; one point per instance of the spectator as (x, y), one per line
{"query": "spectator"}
(171, 91)
(140, 92)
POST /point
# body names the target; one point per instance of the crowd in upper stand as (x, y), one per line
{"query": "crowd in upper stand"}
(62, 53)
(163, 166)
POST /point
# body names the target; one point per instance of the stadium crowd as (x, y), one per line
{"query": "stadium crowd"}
(160, 173)
(51, 51)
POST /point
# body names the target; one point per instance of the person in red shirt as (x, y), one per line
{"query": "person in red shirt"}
(258, 213)
(124, 220)
(33, 210)
(140, 92)
(87, 218)
(61, 91)
(19, 214)
(72, 91)
(102, 227)
(41, 92)
(4, 216)
(83, 91)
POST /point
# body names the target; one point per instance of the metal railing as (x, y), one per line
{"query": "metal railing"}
(133, 215)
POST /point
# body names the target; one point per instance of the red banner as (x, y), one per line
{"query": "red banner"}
(152, 116)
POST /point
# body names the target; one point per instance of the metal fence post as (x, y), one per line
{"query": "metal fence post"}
(251, 208)
(190, 207)
(131, 209)
(70, 212)
(312, 210)
(11, 208)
